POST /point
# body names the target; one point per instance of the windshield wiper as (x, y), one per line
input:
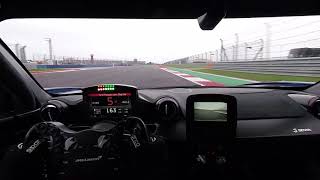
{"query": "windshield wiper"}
(279, 84)
(59, 91)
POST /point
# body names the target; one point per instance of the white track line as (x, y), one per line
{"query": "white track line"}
(177, 74)
(49, 72)
(196, 80)
(225, 76)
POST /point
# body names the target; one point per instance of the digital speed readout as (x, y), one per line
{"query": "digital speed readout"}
(107, 104)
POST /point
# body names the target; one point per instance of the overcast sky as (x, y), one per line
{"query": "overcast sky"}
(150, 40)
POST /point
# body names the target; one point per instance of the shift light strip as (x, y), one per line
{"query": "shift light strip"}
(106, 87)
(111, 94)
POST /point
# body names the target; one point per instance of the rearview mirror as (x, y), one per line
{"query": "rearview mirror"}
(210, 19)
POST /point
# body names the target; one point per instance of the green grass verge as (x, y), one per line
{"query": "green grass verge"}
(188, 66)
(259, 76)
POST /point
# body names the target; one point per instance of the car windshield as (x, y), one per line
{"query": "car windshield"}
(158, 53)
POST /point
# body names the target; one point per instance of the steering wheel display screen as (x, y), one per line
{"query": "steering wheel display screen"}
(104, 104)
(113, 101)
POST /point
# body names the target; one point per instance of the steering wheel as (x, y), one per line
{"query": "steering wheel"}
(106, 150)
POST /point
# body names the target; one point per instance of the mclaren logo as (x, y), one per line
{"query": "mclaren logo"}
(296, 130)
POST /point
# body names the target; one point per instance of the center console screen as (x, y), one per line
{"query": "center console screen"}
(211, 118)
(211, 111)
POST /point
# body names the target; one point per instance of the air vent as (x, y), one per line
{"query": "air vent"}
(53, 110)
(167, 107)
(316, 108)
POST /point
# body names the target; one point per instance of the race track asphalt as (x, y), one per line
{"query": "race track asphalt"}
(147, 76)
